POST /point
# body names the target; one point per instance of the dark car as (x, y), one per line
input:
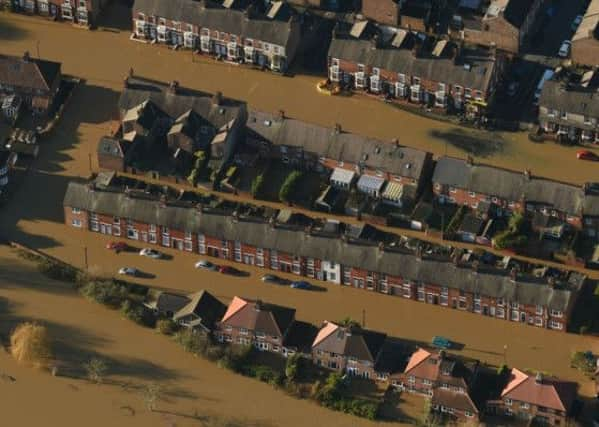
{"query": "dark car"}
(117, 246)
(271, 278)
(587, 155)
(300, 284)
(226, 269)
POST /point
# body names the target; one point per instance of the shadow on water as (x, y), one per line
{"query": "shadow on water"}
(9, 31)
(478, 144)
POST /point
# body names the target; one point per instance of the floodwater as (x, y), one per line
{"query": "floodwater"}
(34, 216)
(103, 58)
(136, 356)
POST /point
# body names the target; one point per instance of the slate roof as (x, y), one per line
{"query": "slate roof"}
(340, 146)
(403, 61)
(273, 320)
(111, 147)
(175, 105)
(207, 309)
(494, 283)
(578, 101)
(217, 18)
(508, 185)
(33, 73)
(169, 302)
(349, 341)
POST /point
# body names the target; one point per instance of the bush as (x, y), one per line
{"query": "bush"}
(57, 271)
(134, 311)
(256, 187)
(583, 361)
(106, 292)
(166, 326)
(292, 367)
(30, 343)
(289, 185)
(192, 342)
(236, 358)
(512, 237)
(455, 221)
(96, 369)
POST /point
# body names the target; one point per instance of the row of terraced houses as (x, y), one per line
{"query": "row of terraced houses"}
(332, 257)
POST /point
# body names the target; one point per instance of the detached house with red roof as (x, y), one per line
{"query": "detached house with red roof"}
(545, 400)
(263, 325)
(349, 349)
(448, 382)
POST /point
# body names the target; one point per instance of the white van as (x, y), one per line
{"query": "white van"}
(546, 76)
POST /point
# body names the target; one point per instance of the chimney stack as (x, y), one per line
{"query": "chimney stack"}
(469, 160)
(162, 202)
(26, 56)
(539, 378)
(281, 115)
(381, 247)
(513, 274)
(419, 252)
(200, 208)
(337, 128)
(527, 174)
(475, 266)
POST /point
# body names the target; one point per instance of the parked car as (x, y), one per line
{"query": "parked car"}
(206, 265)
(587, 155)
(564, 50)
(441, 342)
(301, 284)
(117, 246)
(576, 22)
(227, 269)
(271, 278)
(150, 253)
(129, 271)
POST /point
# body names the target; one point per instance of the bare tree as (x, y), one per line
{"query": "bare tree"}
(152, 394)
(96, 369)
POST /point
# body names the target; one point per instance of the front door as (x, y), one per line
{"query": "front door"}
(492, 311)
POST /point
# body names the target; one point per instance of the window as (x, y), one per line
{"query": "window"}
(500, 313)
(411, 379)
(188, 245)
(524, 405)
(556, 313)
(116, 220)
(508, 402)
(152, 227)
(401, 78)
(472, 194)
(538, 321)
(76, 211)
(76, 223)
(152, 237)
(420, 293)
(427, 382)
(555, 325)
(360, 68)
(416, 81)
(452, 190)
(457, 89)
(243, 331)
(188, 235)
(563, 115)
(539, 309)
(468, 93)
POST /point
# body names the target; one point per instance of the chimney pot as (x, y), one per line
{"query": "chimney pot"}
(217, 98)
(174, 86)
(26, 56)
(337, 128)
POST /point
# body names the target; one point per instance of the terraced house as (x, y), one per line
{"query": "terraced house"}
(319, 148)
(405, 66)
(335, 258)
(266, 38)
(464, 182)
(83, 12)
(585, 42)
(445, 379)
(34, 81)
(571, 110)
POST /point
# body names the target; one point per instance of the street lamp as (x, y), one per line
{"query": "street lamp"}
(505, 354)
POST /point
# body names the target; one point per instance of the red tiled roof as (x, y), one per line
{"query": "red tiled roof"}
(548, 392)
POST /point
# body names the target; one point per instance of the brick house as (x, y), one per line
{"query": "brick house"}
(504, 24)
(571, 111)
(36, 81)
(268, 39)
(332, 257)
(83, 12)
(348, 349)
(585, 42)
(263, 325)
(466, 183)
(170, 122)
(408, 68)
(445, 379)
(544, 400)
(313, 147)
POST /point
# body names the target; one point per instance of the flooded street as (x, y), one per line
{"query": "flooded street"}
(34, 216)
(103, 58)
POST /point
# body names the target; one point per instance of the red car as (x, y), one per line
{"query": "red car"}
(225, 269)
(116, 246)
(586, 155)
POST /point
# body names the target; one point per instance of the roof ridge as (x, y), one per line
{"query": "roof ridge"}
(234, 308)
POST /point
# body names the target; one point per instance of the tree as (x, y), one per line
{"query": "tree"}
(256, 187)
(152, 393)
(166, 326)
(292, 367)
(96, 369)
(30, 343)
(289, 186)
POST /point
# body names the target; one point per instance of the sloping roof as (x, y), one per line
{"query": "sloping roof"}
(207, 308)
(349, 341)
(342, 175)
(231, 21)
(577, 101)
(509, 185)
(32, 73)
(548, 392)
(170, 302)
(370, 183)
(486, 281)
(588, 28)
(142, 92)
(271, 319)
(110, 146)
(417, 358)
(340, 146)
(445, 70)
(393, 191)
